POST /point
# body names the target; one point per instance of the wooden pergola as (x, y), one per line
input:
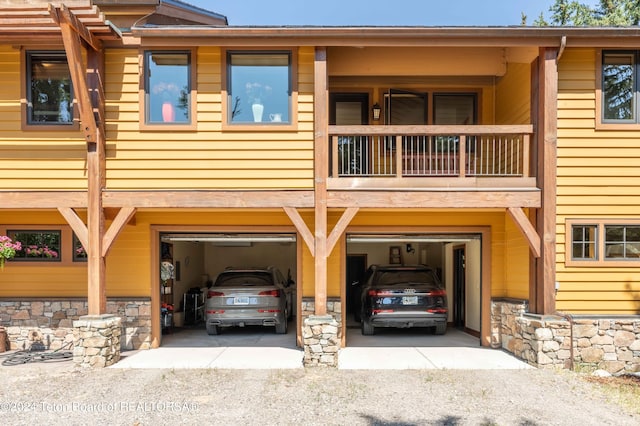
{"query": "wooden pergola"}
(81, 28)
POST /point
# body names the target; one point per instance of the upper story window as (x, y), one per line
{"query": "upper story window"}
(168, 84)
(619, 87)
(259, 88)
(49, 90)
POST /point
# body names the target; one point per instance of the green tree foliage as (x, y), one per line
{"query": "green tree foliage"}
(607, 13)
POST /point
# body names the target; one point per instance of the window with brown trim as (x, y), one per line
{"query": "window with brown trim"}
(43, 245)
(618, 89)
(259, 88)
(79, 252)
(37, 245)
(602, 243)
(167, 87)
(49, 91)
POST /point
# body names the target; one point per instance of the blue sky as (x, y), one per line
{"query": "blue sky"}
(378, 12)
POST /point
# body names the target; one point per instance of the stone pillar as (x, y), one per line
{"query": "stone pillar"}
(96, 341)
(321, 341)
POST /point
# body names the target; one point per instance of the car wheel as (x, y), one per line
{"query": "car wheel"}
(367, 329)
(281, 328)
(441, 328)
(212, 330)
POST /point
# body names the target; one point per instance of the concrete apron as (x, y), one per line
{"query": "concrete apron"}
(256, 349)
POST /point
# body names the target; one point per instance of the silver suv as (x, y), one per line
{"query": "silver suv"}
(249, 296)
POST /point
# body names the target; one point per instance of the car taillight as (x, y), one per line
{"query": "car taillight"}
(274, 293)
(215, 312)
(377, 293)
(211, 293)
(381, 311)
(438, 293)
(268, 311)
(437, 311)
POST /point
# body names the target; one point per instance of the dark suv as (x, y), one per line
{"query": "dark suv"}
(403, 296)
(249, 296)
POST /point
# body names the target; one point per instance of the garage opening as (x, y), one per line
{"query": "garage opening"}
(456, 260)
(228, 289)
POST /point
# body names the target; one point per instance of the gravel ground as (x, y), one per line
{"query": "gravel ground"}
(57, 393)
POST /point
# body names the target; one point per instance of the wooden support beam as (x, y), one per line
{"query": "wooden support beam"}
(122, 218)
(321, 173)
(302, 228)
(77, 26)
(73, 48)
(547, 134)
(338, 230)
(522, 222)
(94, 136)
(78, 226)
(42, 199)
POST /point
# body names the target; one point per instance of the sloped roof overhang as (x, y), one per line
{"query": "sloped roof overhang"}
(389, 36)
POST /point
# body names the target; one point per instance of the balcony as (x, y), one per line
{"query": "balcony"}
(431, 157)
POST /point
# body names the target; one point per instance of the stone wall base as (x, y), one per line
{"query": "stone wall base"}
(96, 341)
(321, 342)
(321, 335)
(562, 341)
(48, 323)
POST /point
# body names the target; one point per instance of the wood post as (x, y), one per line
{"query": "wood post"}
(546, 141)
(321, 172)
(89, 94)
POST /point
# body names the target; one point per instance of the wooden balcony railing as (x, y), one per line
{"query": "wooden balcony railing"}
(501, 154)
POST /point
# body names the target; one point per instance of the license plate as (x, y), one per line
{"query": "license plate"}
(241, 300)
(409, 300)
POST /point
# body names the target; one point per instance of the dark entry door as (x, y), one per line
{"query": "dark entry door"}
(459, 287)
(356, 271)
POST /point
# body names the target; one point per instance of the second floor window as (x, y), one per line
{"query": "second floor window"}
(167, 87)
(49, 90)
(620, 87)
(259, 87)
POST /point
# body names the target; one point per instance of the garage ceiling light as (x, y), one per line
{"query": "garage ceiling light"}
(226, 238)
(410, 238)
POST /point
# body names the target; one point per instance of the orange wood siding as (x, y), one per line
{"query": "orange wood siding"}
(208, 158)
(130, 260)
(126, 275)
(598, 177)
(516, 264)
(34, 159)
(513, 95)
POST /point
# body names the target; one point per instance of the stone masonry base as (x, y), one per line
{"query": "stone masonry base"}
(321, 335)
(96, 341)
(563, 341)
(48, 323)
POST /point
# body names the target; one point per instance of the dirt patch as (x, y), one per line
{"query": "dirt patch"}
(623, 390)
(57, 393)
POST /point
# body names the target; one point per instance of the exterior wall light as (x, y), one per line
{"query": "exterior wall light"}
(376, 111)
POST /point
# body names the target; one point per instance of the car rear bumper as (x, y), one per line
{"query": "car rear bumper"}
(406, 321)
(268, 319)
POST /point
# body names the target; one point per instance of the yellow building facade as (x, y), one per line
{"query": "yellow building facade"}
(402, 146)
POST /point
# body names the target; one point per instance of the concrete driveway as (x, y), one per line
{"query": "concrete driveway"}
(259, 348)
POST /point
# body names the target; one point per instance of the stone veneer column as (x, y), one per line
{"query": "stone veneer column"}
(96, 340)
(321, 341)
